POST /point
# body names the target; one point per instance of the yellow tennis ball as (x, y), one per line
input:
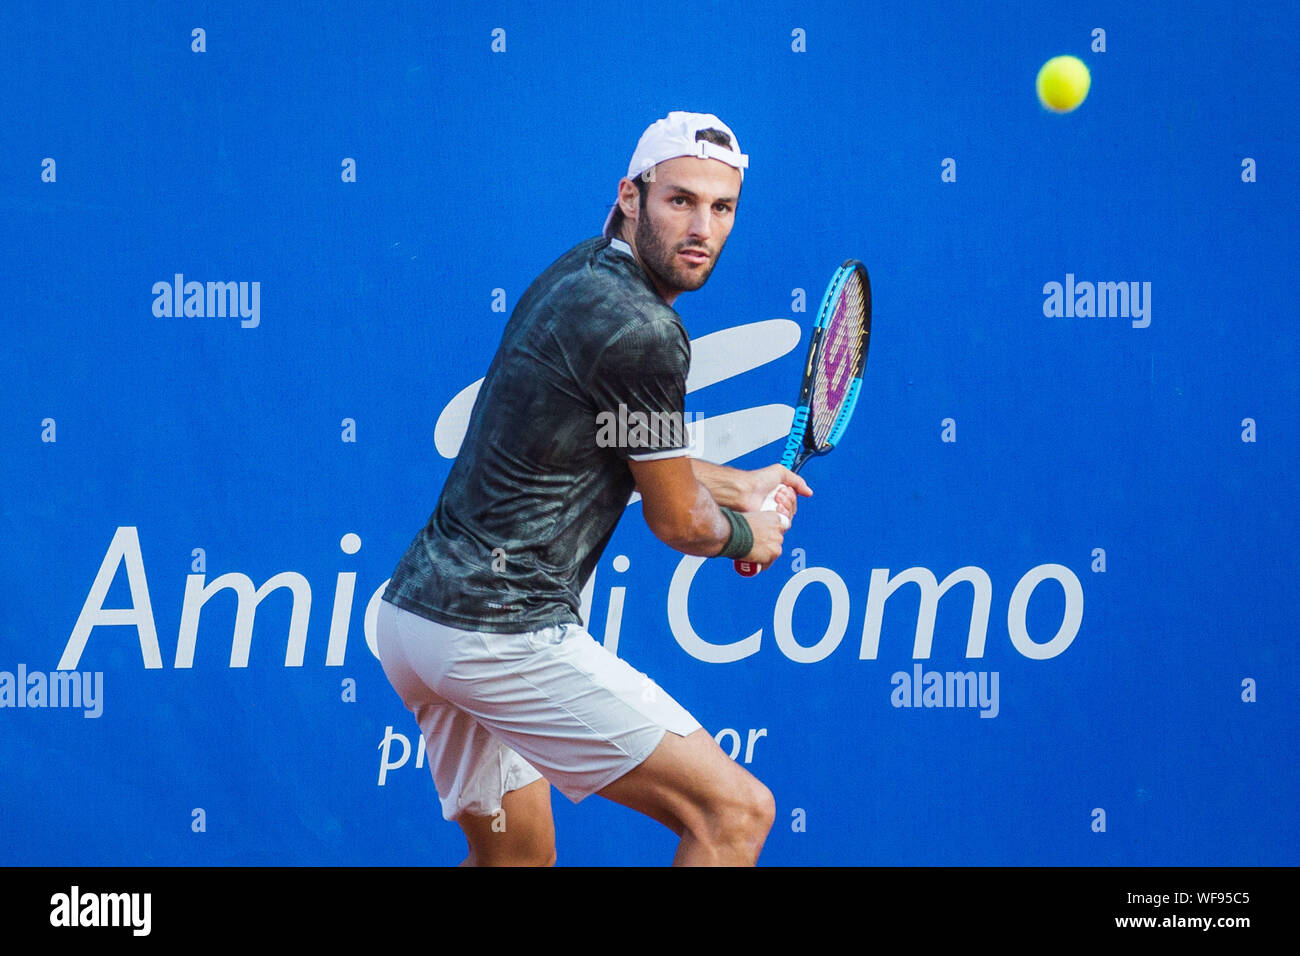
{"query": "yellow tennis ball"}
(1063, 83)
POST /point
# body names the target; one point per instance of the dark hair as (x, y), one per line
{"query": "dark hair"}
(715, 136)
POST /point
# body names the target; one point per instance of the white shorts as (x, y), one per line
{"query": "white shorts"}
(499, 711)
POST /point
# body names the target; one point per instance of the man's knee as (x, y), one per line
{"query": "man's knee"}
(754, 809)
(517, 848)
(764, 806)
(738, 813)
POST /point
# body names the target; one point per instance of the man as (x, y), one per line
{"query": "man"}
(479, 631)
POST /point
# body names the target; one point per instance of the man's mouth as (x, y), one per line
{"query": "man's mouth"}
(697, 256)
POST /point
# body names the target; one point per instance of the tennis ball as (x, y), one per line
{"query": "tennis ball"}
(1063, 83)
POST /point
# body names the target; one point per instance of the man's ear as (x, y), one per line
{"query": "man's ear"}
(628, 198)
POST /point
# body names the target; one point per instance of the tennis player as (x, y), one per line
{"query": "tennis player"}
(479, 630)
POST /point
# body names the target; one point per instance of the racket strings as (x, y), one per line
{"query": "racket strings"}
(840, 359)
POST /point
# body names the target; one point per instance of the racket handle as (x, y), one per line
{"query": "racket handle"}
(747, 569)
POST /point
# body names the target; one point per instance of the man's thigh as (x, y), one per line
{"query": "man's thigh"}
(553, 697)
(577, 713)
(684, 781)
(471, 769)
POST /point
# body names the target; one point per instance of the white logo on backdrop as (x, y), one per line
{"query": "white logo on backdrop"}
(715, 358)
(721, 438)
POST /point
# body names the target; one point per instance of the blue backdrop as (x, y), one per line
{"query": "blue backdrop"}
(1111, 482)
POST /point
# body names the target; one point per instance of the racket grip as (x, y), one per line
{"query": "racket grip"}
(747, 569)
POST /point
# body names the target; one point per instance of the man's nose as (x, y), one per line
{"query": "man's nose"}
(702, 222)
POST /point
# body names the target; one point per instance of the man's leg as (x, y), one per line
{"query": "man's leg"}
(720, 810)
(500, 801)
(498, 711)
(521, 833)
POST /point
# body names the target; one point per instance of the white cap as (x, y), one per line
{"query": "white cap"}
(674, 136)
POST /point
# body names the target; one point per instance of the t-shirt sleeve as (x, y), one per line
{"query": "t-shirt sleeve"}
(638, 386)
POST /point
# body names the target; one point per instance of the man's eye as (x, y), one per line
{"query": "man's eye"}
(678, 200)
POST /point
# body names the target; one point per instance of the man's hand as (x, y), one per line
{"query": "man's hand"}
(789, 488)
(681, 499)
(746, 490)
(769, 529)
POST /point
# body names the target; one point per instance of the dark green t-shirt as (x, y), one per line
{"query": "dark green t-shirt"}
(589, 356)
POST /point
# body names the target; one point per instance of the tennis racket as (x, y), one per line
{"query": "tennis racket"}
(832, 376)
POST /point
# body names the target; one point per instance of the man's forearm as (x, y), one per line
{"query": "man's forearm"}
(730, 487)
(703, 530)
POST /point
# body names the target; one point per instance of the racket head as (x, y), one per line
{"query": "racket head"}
(832, 378)
(837, 355)
(845, 321)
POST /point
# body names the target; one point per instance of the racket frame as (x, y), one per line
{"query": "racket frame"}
(800, 444)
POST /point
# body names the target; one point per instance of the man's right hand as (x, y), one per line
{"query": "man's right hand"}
(769, 529)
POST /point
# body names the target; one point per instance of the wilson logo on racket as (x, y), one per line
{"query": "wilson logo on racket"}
(837, 353)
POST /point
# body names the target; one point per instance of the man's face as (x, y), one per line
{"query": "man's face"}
(688, 214)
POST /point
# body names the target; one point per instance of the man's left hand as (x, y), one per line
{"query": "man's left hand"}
(789, 488)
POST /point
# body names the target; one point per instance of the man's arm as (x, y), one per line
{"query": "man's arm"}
(730, 487)
(684, 515)
(746, 490)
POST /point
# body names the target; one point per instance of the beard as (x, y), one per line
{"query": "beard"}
(661, 259)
